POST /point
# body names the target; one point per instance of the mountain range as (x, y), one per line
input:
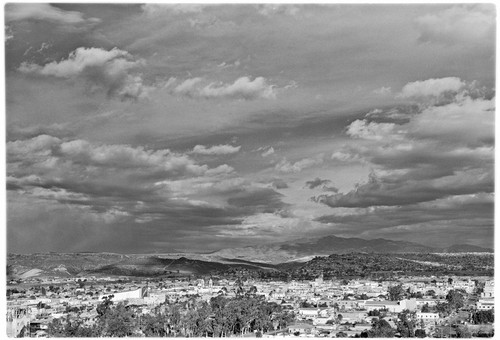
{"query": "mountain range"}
(261, 257)
(305, 249)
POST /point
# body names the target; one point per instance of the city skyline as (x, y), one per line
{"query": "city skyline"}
(161, 128)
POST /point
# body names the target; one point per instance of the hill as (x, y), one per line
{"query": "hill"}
(100, 264)
(322, 246)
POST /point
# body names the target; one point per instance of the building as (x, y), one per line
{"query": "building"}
(485, 304)
(138, 293)
(489, 289)
(303, 328)
(18, 321)
(391, 306)
(305, 312)
(427, 316)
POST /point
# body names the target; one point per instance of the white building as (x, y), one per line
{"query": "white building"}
(138, 293)
(485, 304)
(427, 316)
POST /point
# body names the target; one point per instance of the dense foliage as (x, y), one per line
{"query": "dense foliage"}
(374, 266)
(222, 316)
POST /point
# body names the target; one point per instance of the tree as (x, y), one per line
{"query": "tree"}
(443, 308)
(420, 333)
(118, 322)
(455, 299)
(381, 329)
(463, 332)
(483, 316)
(153, 325)
(426, 308)
(396, 293)
(406, 324)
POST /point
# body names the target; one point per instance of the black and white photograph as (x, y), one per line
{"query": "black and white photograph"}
(249, 169)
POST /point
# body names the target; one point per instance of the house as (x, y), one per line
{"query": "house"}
(309, 312)
(489, 289)
(302, 328)
(427, 316)
(391, 306)
(357, 316)
(485, 304)
(18, 320)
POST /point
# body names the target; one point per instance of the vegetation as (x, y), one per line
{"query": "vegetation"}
(483, 316)
(223, 316)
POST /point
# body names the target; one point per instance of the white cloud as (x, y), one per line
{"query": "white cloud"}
(432, 87)
(39, 11)
(155, 10)
(109, 70)
(465, 120)
(273, 9)
(242, 88)
(124, 156)
(459, 24)
(383, 91)
(39, 145)
(372, 131)
(216, 149)
(268, 152)
(285, 166)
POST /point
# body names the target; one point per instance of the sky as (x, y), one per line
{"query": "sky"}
(143, 128)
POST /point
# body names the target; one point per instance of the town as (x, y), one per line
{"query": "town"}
(211, 306)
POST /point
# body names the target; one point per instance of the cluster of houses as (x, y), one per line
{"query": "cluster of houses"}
(322, 308)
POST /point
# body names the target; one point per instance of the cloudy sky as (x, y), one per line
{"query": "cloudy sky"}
(157, 128)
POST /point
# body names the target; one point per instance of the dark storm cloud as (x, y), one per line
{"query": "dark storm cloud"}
(120, 184)
(279, 183)
(392, 191)
(462, 218)
(468, 207)
(261, 200)
(317, 182)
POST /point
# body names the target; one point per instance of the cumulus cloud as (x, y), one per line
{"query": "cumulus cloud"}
(279, 183)
(465, 120)
(465, 24)
(111, 70)
(397, 191)
(268, 152)
(122, 184)
(317, 182)
(383, 91)
(371, 130)
(458, 216)
(278, 9)
(437, 88)
(155, 10)
(39, 11)
(399, 115)
(439, 151)
(242, 88)
(216, 149)
(287, 167)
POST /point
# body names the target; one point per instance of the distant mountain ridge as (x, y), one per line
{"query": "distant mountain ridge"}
(327, 245)
(261, 257)
(104, 264)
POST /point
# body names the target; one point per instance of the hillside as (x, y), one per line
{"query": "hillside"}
(306, 248)
(77, 264)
